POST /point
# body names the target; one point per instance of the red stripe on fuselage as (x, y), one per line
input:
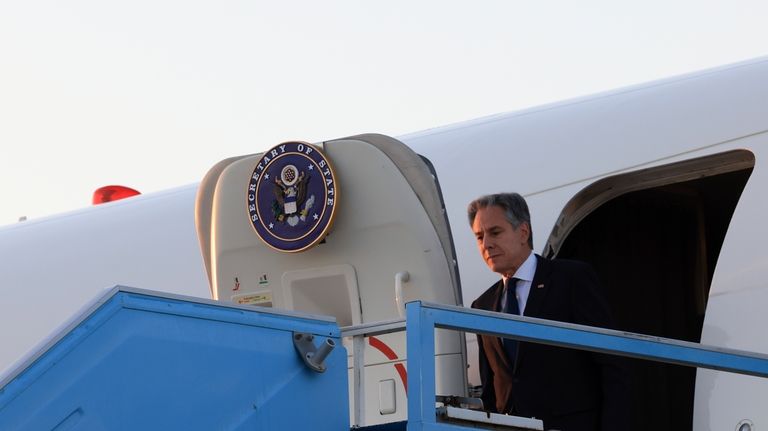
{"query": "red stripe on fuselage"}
(391, 355)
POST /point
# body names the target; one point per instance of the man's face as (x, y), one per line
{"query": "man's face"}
(503, 247)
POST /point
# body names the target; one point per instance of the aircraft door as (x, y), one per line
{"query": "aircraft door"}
(374, 237)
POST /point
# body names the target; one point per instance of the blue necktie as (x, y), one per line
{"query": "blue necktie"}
(512, 307)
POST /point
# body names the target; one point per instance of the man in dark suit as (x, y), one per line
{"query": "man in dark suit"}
(568, 389)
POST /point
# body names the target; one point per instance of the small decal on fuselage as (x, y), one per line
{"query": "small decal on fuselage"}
(263, 299)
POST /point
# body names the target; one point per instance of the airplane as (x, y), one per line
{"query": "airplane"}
(658, 186)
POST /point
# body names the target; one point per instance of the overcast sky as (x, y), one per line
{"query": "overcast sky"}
(151, 94)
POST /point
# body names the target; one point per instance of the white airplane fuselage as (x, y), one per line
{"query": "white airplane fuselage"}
(663, 181)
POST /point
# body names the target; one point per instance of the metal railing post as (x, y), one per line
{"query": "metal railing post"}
(420, 341)
(358, 376)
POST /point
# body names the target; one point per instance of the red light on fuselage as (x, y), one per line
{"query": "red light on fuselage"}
(112, 193)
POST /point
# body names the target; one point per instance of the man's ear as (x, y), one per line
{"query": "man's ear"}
(525, 231)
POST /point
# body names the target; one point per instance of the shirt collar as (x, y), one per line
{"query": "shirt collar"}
(527, 270)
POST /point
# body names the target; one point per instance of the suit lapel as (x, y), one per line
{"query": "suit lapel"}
(494, 348)
(495, 298)
(538, 287)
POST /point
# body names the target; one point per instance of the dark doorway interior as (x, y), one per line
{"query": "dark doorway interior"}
(655, 251)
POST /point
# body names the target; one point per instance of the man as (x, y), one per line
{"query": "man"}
(568, 389)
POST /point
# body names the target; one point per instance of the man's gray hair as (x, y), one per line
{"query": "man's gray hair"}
(514, 206)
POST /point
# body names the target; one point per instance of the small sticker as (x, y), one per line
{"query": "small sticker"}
(262, 299)
(263, 280)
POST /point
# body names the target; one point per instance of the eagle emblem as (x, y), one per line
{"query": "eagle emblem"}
(290, 190)
(292, 196)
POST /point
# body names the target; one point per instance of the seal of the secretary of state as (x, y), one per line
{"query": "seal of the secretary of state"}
(292, 196)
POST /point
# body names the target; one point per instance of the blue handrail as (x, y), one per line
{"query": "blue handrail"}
(423, 318)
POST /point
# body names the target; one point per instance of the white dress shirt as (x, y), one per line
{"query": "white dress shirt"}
(524, 275)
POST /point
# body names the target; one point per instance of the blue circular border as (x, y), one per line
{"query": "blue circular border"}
(263, 207)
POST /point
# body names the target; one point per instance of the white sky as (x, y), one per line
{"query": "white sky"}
(152, 93)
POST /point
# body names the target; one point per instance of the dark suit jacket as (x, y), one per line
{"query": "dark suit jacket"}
(568, 389)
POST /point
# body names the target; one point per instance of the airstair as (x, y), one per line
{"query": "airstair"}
(136, 359)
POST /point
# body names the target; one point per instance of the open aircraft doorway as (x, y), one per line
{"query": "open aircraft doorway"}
(654, 237)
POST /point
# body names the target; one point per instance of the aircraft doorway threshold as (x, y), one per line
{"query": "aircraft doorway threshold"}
(654, 237)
